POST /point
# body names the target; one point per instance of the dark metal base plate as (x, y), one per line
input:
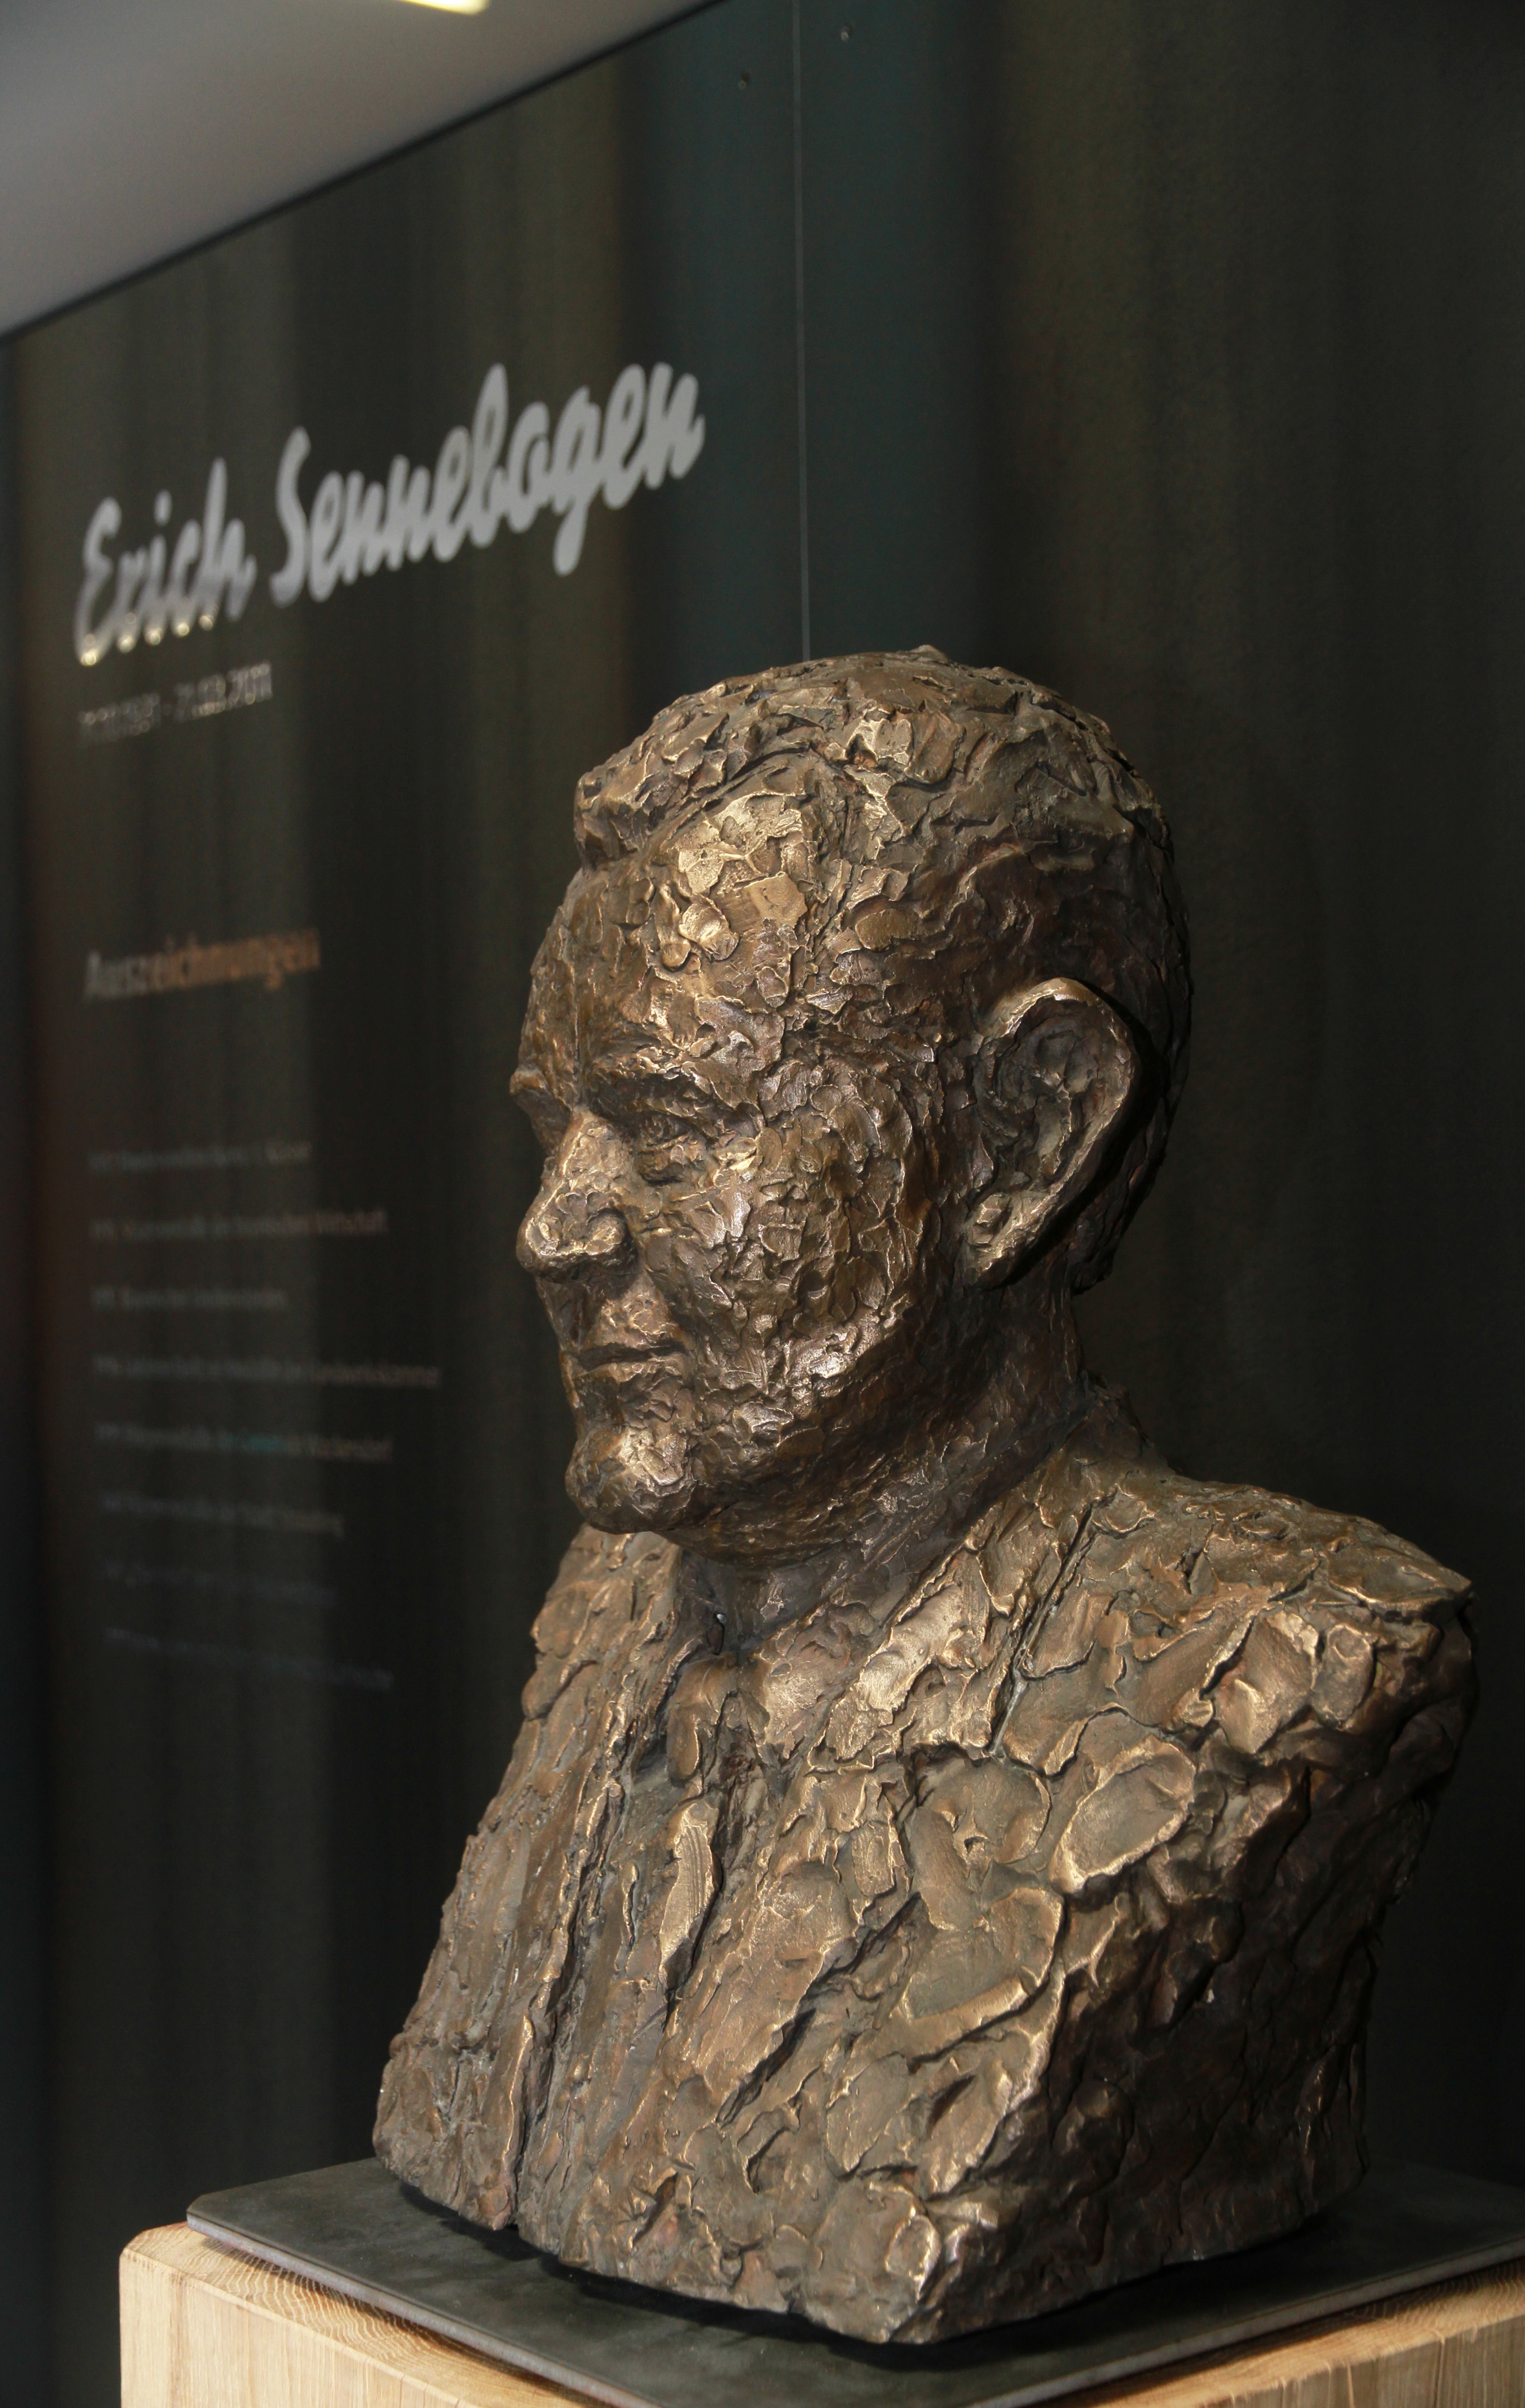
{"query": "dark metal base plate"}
(352, 2228)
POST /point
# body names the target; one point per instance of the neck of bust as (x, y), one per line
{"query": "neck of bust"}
(868, 1523)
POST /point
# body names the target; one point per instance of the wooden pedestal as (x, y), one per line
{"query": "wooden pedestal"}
(203, 2328)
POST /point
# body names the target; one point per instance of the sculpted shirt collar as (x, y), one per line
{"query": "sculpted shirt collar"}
(875, 1622)
(909, 1533)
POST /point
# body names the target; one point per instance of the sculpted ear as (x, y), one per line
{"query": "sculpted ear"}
(1056, 1070)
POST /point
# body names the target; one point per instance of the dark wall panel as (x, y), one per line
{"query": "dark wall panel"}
(290, 1619)
(24, 2270)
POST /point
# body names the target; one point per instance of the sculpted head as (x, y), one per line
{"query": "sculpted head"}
(853, 1046)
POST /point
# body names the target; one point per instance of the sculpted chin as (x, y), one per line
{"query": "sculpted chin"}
(940, 1871)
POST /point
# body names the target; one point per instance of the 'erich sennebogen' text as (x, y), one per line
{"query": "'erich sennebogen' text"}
(648, 430)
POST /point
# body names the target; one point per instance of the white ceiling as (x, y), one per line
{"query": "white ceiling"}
(132, 128)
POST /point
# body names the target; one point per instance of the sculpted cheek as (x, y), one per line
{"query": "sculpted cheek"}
(688, 1259)
(717, 1219)
(797, 1226)
(692, 1239)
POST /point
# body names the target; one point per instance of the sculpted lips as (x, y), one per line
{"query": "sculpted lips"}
(604, 1358)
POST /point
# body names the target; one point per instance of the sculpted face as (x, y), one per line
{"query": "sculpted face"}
(737, 1239)
(814, 1104)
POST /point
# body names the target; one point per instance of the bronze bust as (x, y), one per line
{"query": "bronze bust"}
(941, 1869)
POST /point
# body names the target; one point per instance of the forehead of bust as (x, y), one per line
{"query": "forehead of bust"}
(690, 955)
(863, 850)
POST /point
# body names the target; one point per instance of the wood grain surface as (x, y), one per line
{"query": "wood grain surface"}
(202, 2327)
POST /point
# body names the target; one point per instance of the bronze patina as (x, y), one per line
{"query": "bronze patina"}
(940, 1871)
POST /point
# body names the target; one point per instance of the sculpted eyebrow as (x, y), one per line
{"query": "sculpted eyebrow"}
(547, 1112)
(630, 1087)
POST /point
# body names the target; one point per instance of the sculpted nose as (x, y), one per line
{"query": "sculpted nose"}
(575, 1225)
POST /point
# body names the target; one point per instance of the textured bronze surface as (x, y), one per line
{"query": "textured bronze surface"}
(940, 1872)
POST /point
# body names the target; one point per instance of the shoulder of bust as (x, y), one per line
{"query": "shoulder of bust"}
(1106, 1510)
(1201, 1537)
(1195, 1608)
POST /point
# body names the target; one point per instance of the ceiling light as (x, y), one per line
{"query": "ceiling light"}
(460, 8)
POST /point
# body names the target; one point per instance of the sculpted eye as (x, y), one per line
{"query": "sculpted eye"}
(668, 1150)
(671, 1128)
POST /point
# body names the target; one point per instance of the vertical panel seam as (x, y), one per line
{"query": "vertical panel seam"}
(800, 334)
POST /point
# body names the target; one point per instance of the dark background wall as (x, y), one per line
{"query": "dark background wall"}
(23, 1850)
(1171, 354)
